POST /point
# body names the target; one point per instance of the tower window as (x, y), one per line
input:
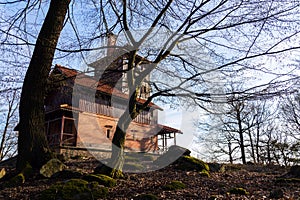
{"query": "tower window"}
(108, 130)
(108, 133)
(144, 89)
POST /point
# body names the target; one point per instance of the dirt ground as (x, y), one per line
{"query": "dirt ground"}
(259, 181)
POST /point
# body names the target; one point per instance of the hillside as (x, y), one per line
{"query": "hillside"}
(259, 181)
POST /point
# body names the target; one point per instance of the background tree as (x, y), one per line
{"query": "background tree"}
(10, 105)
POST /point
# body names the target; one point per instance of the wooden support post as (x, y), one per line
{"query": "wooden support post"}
(166, 143)
(163, 141)
(174, 138)
(62, 130)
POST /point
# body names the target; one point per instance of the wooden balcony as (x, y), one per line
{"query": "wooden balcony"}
(91, 107)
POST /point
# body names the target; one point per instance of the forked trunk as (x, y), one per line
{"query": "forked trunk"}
(117, 156)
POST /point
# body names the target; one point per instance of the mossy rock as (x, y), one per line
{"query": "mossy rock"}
(174, 185)
(216, 167)
(2, 173)
(101, 179)
(108, 171)
(133, 167)
(51, 167)
(172, 155)
(190, 163)
(67, 174)
(240, 191)
(74, 189)
(204, 173)
(15, 181)
(27, 171)
(146, 197)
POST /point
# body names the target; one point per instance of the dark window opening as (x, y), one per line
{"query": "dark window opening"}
(108, 133)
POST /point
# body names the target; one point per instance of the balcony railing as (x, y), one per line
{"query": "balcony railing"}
(91, 107)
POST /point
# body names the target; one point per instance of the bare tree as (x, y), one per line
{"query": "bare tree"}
(9, 138)
(290, 112)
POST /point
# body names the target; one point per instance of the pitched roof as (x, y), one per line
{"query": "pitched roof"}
(167, 129)
(82, 79)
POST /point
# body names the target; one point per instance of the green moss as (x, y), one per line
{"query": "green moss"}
(74, 189)
(67, 174)
(146, 197)
(174, 185)
(190, 163)
(108, 171)
(216, 167)
(204, 173)
(15, 181)
(2, 173)
(240, 191)
(27, 171)
(101, 179)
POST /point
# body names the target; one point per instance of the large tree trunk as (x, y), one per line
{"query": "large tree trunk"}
(32, 143)
(118, 143)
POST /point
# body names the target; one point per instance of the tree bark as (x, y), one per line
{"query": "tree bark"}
(242, 146)
(32, 143)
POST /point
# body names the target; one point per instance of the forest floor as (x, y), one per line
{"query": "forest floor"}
(259, 181)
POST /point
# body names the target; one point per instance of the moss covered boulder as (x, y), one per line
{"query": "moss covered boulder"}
(51, 167)
(67, 174)
(15, 181)
(216, 167)
(101, 179)
(174, 185)
(173, 154)
(190, 163)
(74, 189)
